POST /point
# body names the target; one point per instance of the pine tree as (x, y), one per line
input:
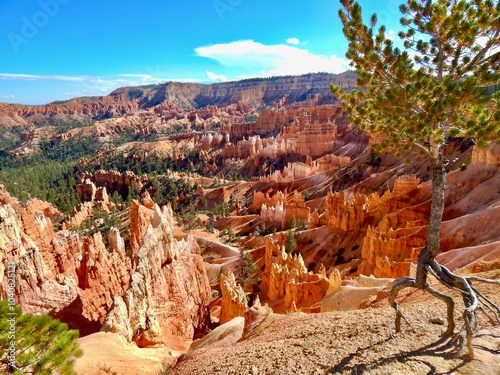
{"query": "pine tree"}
(421, 95)
(43, 345)
(290, 242)
(246, 269)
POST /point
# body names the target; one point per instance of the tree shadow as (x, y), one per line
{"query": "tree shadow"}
(446, 347)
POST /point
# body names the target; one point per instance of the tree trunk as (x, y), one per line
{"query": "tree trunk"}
(430, 251)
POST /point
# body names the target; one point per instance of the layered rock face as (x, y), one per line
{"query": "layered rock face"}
(81, 108)
(174, 97)
(169, 293)
(165, 298)
(36, 288)
(392, 231)
(393, 225)
(305, 131)
(102, 274)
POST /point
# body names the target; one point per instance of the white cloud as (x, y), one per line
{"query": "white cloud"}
(82, 85)
(293, 41)
(271, 60)
(7, 97)
(32, 77)
(216, 77)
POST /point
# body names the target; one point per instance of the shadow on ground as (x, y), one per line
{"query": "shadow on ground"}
(445, 348)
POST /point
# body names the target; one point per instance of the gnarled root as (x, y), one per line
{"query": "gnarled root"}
(472, 298)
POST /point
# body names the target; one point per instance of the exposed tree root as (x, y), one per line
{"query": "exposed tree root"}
(472, 297)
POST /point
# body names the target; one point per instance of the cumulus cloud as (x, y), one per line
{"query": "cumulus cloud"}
(215, 77)
(293, 41)
(271, 60)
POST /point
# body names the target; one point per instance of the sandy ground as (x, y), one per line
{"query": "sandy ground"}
(107, 353)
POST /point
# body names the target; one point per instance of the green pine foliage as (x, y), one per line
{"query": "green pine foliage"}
(246, 270)
(43, 345)
(425, 88)
(49, 176)
(290, 242)
(428, 86)
(47, 180)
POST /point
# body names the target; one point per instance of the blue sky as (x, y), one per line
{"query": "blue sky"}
(59, 49)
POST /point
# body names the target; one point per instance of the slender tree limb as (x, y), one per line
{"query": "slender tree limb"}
(482, 280)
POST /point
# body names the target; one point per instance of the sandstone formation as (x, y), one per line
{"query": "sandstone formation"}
(140, 217)
(37, 219)
(169, 294)
(56, 273)
(312, 133)
(286, 277)
(97, 185)
(36, 289)
(489, 155)
(173, 97)
(284, 212)
(393, 234)
(102, 274)
(234, 300)
(353, 293)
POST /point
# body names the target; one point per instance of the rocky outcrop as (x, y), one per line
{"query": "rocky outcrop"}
(56, 273)
(102, 274)
(259, 198)
(489, 155)
(37, 219)
(112, 181)
(81, 213)
(391, 253)
(307, 132)
(37, 290)
(169, 293)
(286, 278)
(234, 300)
(140, 217)
(283, 213)
(305, 122)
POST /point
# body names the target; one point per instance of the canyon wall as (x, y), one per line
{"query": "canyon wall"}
(165, 290)
(169, 293)
(312, 89)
